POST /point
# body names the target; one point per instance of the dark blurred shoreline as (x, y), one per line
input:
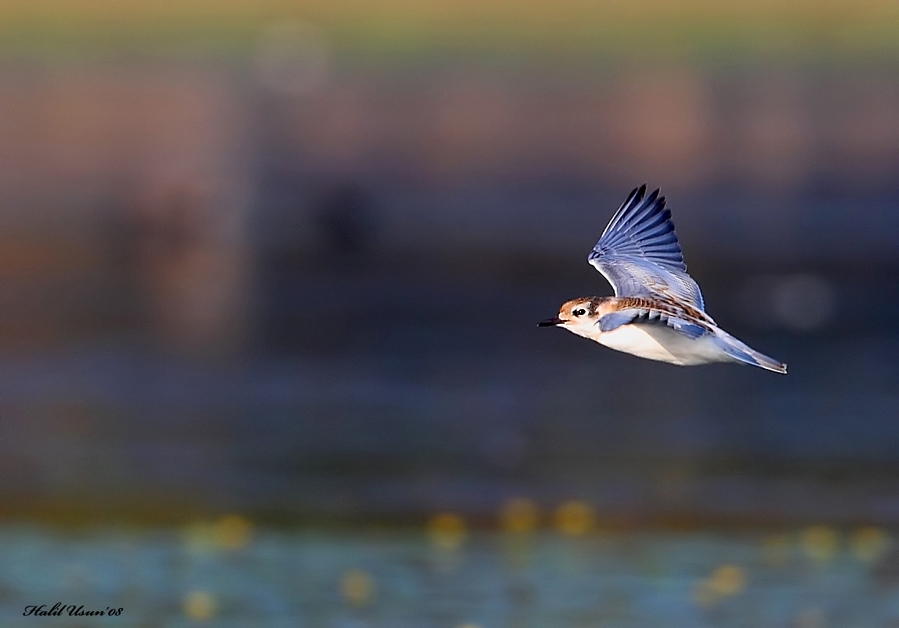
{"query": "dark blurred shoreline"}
(307, 290)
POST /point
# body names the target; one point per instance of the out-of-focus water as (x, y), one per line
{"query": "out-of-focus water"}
(408, 399)
(319, 577)
(400, 436)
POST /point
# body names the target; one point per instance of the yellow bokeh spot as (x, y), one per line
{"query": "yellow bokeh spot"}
(358, 587)
(870, 543)
(776, 549)
(704, 595)
(519, 515)
(233, 531)
(447, 530)
(468, 626)
(727, 580)
(199, 605)
(574, 518)
(820, 542)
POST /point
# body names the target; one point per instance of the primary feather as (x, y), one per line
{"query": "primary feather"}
(640, 255)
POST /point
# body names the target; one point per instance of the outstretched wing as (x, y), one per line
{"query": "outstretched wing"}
(639, 253)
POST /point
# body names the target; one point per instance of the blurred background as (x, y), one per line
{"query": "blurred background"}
(271, 274)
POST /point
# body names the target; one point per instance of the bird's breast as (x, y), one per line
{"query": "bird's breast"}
(662, 344)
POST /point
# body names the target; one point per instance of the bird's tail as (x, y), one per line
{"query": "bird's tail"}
(744, 354)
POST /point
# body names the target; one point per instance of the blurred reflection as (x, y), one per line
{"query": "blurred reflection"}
(776, 549)
(234, 532)
(358, 587)
(573, 518)
(870, 543)
(801, 302)
(199, 605)
(727, 580)
(190, 273)
(519, 515)
(293, 58)
(447, 531)
(820, 543)
(347, 224)
(812, 617)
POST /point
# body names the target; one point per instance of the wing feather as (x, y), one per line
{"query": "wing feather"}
(639, 252)
(646, 316)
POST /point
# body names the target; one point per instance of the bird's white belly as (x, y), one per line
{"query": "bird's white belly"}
(662, 344)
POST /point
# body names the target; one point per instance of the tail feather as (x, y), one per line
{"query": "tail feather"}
(744, 354)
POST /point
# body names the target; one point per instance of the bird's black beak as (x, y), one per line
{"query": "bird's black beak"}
(550, 322)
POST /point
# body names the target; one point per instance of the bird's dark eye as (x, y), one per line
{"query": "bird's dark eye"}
(579, 312)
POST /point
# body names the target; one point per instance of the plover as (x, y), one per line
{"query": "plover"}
(657, 312)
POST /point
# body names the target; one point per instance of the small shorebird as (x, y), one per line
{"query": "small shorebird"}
(657, 311)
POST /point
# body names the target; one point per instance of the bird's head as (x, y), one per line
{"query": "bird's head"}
(578, 316)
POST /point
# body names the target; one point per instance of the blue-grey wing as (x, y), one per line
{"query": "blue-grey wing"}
(640, 255)
(648, 316)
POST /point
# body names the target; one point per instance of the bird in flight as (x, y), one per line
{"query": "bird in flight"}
(657, 312)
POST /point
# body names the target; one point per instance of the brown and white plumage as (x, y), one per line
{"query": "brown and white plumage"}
(658, 311)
